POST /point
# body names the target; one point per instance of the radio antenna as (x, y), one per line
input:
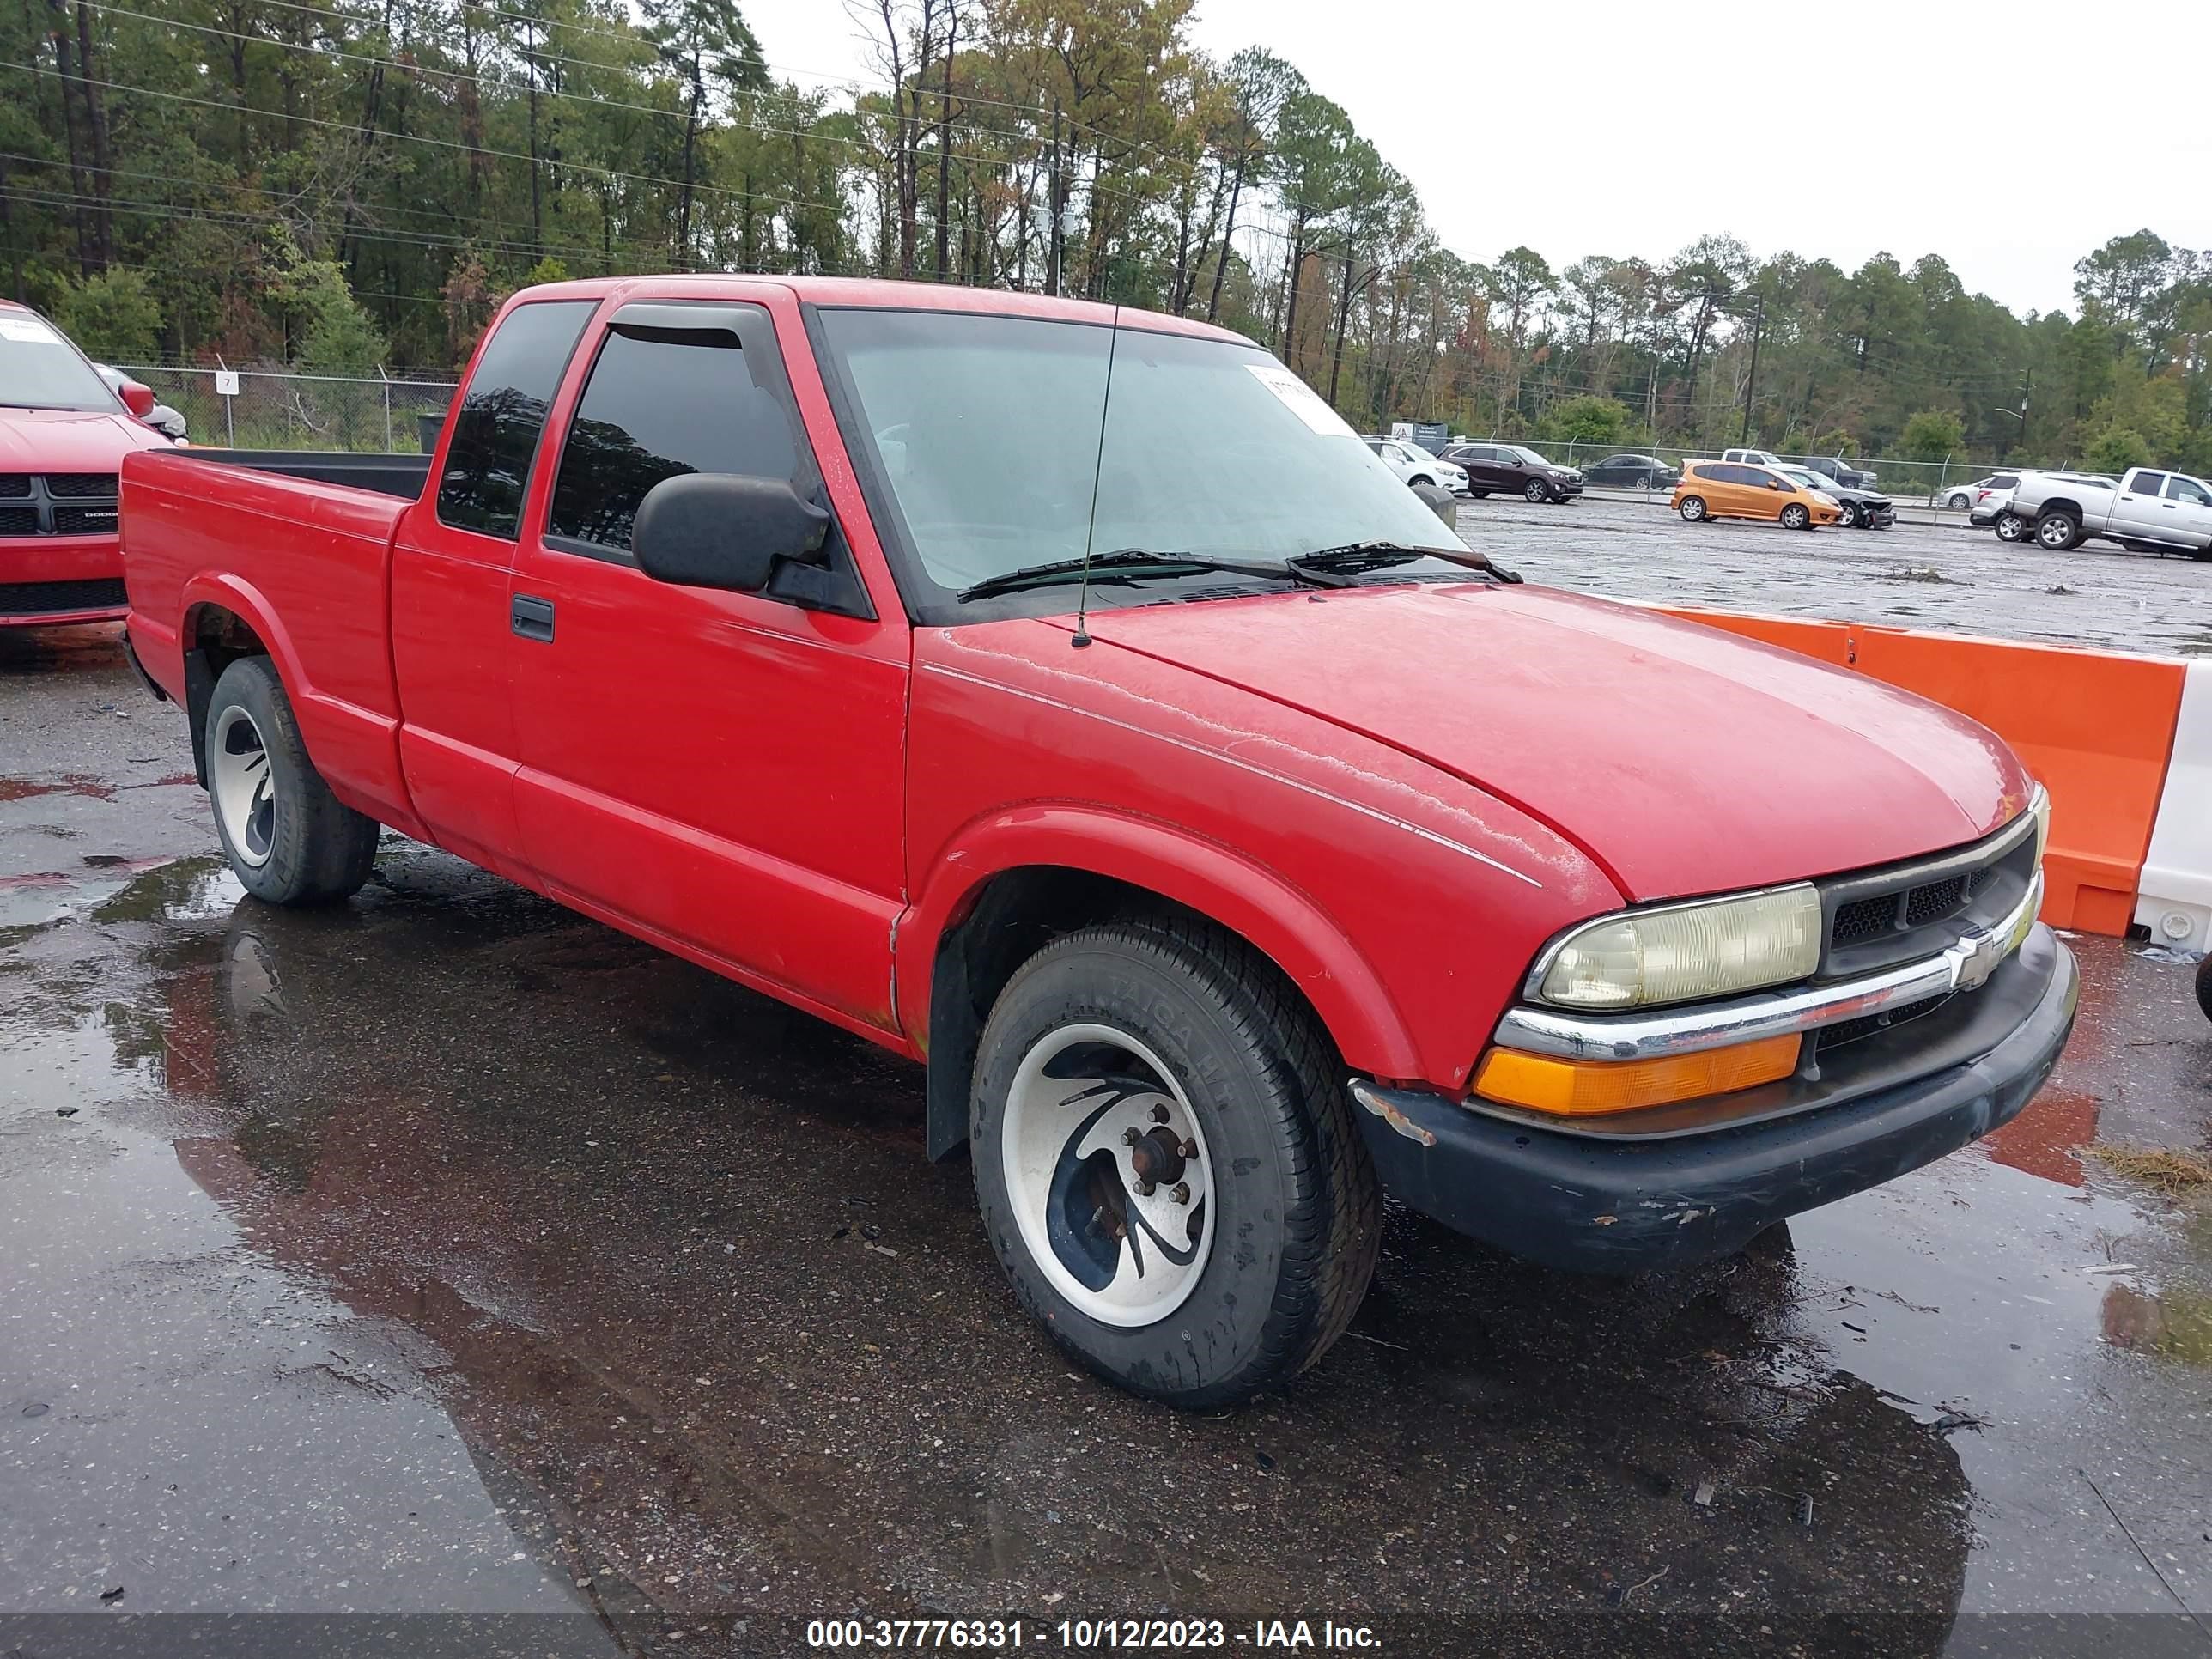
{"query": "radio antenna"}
(1090, 530)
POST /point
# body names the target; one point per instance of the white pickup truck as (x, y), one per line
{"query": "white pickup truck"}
(2150, 510)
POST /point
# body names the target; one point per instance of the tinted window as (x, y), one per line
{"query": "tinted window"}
(661, 404)
(496, 430)
(2005, 481)
(2148, 483)
(2179, 489)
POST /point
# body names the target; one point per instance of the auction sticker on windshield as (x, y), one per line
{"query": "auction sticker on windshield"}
(1301, 399)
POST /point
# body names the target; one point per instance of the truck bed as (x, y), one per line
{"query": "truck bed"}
(299, 548)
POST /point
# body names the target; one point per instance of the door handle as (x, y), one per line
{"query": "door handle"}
(531, 618)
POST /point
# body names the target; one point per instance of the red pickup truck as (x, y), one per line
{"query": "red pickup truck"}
(64, 433)
(1064, 697)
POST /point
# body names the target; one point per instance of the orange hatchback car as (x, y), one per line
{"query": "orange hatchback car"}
(1728, 489)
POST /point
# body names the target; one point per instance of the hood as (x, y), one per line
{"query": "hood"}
(1682, 759)
(71, 441)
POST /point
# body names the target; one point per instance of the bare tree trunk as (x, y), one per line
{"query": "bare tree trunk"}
(945, 149)
(1236, 189)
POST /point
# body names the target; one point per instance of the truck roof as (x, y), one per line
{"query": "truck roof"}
(883, 295)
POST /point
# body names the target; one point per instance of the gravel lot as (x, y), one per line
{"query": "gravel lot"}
(1916, 575)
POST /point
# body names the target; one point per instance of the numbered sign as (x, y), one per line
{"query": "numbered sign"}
(226, 383)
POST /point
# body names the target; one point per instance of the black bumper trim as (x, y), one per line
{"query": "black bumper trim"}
(1591, 1206)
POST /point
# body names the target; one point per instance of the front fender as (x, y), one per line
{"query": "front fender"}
(1275, 917)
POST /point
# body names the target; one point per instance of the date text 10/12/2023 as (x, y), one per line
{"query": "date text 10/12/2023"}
(1086, 1635)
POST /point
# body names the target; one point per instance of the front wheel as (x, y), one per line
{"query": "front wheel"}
(1166, 1162)
(1537, 491)
(2011, 527)
(1851, 519)
(288, 839)
(1795, 516)
(1693, 508)
(1423, 479)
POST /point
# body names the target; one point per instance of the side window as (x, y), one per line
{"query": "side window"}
(2005, 481)
(660, 403)
(2179, 489)
(2146, 483)
(496, 428)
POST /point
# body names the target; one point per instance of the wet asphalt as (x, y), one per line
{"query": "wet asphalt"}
(449, 1273)
(1929, 570)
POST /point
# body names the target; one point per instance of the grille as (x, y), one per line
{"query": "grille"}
(81, 486)
(1849, 1030)
(34, 598)
(83, 521)
(19, 520)
(1937, 900)
(14, 486)
(1916, 907)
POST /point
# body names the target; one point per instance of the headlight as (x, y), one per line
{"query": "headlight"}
(1686, 952)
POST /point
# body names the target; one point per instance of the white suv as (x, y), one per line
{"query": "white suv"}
(1415, 465)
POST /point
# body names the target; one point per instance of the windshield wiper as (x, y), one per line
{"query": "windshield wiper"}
(1137, 564)
(1382, 554)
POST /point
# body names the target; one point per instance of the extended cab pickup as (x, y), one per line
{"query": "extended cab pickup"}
(1230, 853)
(2150, 510)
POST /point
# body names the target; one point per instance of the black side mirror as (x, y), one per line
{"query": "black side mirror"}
(723, 530)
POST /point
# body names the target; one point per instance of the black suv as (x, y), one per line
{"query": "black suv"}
(1850, 477)
(1515, 469)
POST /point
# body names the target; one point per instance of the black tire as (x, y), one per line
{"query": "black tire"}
(1692, 509)
(1537, 491)
(2010, 527)
(295, 843)
(2058, 533)
(1285, 1167)
(2204, 987)
(1850, 520)
(1478, 494)
(1797, 516)
(1423, 479)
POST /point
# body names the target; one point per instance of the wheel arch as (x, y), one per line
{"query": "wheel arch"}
(225, 619)
(1010, 885)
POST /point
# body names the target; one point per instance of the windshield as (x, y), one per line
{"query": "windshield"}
(999, 439)
(1806, 479)
(40, 369)
(1527, 455)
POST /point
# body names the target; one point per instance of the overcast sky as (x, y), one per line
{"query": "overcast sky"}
(2011, 136)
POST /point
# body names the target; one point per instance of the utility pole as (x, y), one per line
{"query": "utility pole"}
(1051, 196)
(1750, 380)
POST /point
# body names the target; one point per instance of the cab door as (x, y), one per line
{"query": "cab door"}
(2138, 506)
(453, 559)
(719, 771)
(2188, 503)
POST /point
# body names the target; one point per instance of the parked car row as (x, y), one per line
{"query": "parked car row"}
(1794, 497)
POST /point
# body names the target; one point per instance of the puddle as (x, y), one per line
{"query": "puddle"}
(121, 890)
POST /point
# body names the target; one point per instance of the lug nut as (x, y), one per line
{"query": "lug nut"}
(1130, 1137)
(1189, 1149)
(1180, 1192)
(1147, 1186)
(1160, 1114)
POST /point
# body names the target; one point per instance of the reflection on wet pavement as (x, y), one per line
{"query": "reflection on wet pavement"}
(446, 1251)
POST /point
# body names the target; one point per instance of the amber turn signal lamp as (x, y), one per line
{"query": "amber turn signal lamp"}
(1590, 1088)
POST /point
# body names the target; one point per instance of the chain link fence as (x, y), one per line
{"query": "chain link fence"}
(274, 410)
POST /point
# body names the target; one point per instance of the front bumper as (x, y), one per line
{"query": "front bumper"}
(48, 581)
(1596, 1204)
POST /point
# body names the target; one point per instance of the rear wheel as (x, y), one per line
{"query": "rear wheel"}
(2058, 533)
(2204, 987)
(1478, 494)
(289, 841)
(1795, 516)
(1537, 491)
(1957, 502)
(1166, 1162)
(1693, 508)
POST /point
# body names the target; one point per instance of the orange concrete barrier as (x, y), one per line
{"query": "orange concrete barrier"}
(2096, 727)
